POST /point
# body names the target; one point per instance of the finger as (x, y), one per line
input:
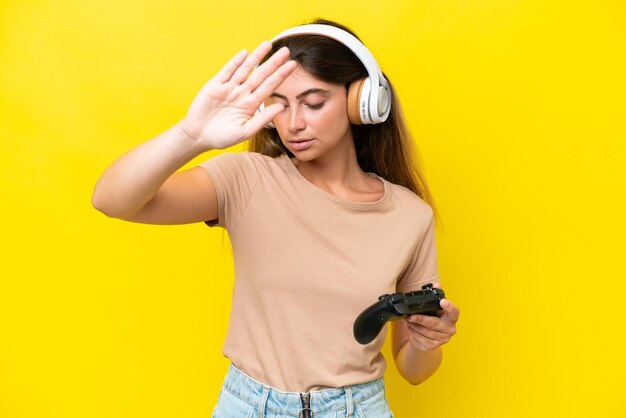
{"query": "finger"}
(429, 333)
(451, 312)
(268, 68)
(227, 71)
(259, 120)
(428, 321)
(443, 333)
(251, 61)
(273, 81)
(433, 322)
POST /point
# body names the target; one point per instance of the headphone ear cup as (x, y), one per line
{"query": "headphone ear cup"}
(354, 101)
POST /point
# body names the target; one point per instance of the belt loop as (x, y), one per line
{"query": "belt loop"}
(263, 401)
(349, 402)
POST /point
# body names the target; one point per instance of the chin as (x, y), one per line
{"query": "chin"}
(303, 155)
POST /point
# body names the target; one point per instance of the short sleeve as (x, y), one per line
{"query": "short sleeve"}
(235, 176)
(423, 266)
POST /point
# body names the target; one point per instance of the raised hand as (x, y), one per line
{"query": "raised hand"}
(224, 111)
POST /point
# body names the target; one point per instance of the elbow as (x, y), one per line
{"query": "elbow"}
(102, 204)
(413, 381)
(417, 379)
(97, 201)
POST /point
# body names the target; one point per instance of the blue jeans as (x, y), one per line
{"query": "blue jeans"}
(243, 397)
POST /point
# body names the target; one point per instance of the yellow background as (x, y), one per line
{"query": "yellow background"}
(518, 111)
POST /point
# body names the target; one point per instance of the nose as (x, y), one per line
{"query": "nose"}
(296, 119)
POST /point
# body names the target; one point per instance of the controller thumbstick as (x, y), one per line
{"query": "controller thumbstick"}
(427, 286)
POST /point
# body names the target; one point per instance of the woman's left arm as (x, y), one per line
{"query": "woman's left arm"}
(417, 340)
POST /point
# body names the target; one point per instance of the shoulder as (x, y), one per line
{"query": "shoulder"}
(266, 165)
(261, 159)
(245, 160)
(410, 201)
(250, 157)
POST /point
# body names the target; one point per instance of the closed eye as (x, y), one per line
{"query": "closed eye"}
(316, 106)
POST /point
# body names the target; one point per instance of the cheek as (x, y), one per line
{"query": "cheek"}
(281, 127)
(334, 116)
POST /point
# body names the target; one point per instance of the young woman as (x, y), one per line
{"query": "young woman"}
(326, 212)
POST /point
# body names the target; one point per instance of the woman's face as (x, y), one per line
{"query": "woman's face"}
(315, 119)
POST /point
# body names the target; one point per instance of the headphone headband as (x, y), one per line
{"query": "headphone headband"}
(369, 99)
(375, 102)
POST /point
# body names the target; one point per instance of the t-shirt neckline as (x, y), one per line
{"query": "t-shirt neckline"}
(331, 196)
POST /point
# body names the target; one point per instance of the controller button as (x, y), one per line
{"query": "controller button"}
(381, 297)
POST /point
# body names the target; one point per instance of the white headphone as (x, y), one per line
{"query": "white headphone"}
(369, 99)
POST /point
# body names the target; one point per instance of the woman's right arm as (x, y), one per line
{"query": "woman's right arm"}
(143, 184)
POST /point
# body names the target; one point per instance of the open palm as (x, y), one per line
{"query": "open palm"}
(224, 111)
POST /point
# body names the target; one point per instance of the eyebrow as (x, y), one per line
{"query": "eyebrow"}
(304, 93)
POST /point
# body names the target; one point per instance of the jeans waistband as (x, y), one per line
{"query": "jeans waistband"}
(289, 403)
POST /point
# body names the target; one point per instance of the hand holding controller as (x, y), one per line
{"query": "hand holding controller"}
(396, 306)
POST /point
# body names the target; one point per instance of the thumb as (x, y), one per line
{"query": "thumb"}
(450, 311)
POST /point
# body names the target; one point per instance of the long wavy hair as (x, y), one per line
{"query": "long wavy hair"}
(387, 148)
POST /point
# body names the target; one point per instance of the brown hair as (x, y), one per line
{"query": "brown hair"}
(387, 148)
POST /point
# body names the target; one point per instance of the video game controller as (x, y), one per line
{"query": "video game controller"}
(391, 307)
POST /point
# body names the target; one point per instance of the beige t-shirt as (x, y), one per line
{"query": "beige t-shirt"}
(306, 265)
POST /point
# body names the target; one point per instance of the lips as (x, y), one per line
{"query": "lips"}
(300, 144)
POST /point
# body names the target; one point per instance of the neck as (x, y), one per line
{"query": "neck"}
(334, 170)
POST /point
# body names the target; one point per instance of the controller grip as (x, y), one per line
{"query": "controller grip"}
(371, 321)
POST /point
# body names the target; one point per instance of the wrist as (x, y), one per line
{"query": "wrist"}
(418, 350)
(188, 141)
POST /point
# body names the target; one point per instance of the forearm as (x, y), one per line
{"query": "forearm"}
(417, 366)
(134, 178)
